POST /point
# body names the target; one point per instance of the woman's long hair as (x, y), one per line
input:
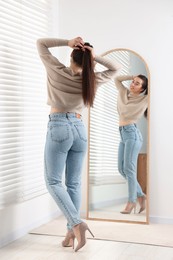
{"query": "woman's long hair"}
(144, 88)
(84, 59)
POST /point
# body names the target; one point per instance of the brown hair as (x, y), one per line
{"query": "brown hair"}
(144, 88)
(84, 59)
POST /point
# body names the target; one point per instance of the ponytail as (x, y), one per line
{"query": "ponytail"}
(88, 78)
(85, 60)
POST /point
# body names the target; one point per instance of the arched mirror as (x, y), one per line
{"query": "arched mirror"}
(107, 189)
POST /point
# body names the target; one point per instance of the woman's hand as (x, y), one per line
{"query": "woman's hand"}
(91, 49)
(74, 43)
(78, 42)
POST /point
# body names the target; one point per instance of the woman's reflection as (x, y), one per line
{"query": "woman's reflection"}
(108, 190)
(132, 103)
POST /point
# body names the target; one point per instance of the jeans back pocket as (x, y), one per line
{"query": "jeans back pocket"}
(80, 128)
(60, 132)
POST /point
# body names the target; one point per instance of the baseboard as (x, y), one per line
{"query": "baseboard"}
(23, 231)
(160, 220)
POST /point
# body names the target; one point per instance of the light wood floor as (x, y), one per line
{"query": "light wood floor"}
(41, 247)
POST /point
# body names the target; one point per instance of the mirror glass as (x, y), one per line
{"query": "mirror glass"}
(107, 189)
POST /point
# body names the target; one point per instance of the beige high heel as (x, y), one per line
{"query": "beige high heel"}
(79, 231)
(69, 239)
(129, 207)
(141, 201)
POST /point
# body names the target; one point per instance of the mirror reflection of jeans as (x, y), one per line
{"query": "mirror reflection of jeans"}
(65, 148)
(129, 148)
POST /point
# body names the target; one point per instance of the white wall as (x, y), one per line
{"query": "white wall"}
(145, 27)
(18, 219)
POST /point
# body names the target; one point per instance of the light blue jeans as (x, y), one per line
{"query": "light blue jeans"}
(65, 148)
(129, 148)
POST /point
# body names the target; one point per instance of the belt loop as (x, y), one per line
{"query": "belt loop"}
(49, 118)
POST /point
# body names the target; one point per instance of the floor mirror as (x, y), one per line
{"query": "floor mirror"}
(107, 189)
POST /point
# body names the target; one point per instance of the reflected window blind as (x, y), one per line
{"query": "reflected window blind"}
(23, 110)
(104, 129)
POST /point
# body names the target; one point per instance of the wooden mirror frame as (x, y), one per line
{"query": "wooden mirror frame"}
(148, 148)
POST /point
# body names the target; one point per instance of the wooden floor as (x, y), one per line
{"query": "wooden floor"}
(41, 247)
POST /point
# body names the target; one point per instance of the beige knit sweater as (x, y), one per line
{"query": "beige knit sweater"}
(130, 107)
(65, 89)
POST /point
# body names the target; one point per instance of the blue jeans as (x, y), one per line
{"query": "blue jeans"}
(65, 148)
(129, 148)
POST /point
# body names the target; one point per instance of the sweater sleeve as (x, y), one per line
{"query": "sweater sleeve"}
(46, 56)
(119, 79)
(112, 69)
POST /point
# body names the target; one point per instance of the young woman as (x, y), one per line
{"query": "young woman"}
(132, 104)
(70, 90)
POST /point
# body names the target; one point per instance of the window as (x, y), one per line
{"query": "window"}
(23, 110)
(104, 125)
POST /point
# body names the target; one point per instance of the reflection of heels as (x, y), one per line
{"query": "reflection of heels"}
(79, 231)
(129, 207)
(141, 201)
(69, 239)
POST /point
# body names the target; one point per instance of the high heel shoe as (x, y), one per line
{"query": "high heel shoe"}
(79, 231)
(69, 239)
(141, 201)
(129, 207)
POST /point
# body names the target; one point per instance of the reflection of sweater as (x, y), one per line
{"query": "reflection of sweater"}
(65, 88)
(130, 107)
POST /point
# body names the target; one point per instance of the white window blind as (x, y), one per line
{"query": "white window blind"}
(104, 129)
(23, 110)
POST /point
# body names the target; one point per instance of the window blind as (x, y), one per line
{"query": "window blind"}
(104, 129)
(23, 110)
